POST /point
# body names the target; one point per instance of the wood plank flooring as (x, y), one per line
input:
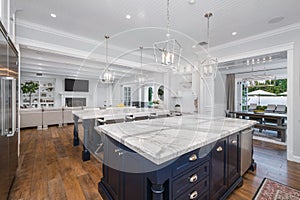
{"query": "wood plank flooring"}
(51, 168)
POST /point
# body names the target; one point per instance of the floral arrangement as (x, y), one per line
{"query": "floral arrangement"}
(156, 101)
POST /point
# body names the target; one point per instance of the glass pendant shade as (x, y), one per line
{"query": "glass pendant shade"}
(107, 76)
(209, 66)
(168, 52)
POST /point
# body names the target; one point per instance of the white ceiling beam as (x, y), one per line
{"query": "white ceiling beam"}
(61, 50)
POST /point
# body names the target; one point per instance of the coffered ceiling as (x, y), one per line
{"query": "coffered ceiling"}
(78, 30)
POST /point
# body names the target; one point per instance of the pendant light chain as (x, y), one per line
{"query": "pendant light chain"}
(208, 15)
(106, 50)
(141, 48)
(168, 18)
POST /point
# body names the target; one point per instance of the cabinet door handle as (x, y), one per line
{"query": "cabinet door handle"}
(194, 195)
(193, 178)
(117, 150)
(234, 141)
(121, 153)
(219, 149)
(193, 157)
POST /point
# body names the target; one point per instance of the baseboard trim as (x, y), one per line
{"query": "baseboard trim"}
(292, 157)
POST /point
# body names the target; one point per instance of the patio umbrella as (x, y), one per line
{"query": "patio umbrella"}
(283, 94)
(260, 93)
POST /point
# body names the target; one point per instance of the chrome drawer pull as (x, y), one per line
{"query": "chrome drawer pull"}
(117, 150)
(193, 157)
(194, 195)
(121, 153)
(193, 178)
(233, 141)
(219, 149)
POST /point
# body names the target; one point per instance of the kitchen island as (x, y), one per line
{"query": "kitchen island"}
(184, 157)
(93, 117)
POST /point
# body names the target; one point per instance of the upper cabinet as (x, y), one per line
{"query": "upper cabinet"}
(8, 55)
(6, 17)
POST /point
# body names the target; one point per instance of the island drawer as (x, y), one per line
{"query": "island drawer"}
(199, 191)
(190, 160)
(190, 179)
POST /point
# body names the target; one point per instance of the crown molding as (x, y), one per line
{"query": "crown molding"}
(45, 29)
(257, 52)
(285, 29)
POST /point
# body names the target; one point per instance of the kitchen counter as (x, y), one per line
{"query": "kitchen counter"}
(93, 117)
(161, 140)
(183, 157)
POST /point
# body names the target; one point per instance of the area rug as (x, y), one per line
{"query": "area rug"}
(272, 190)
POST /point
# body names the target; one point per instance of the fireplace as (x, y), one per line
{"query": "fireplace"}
(75, 102)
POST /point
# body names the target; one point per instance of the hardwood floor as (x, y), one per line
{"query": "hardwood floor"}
(51, 168)
(271, 163)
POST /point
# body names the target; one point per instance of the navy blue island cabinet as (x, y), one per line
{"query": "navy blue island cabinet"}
(209, 172)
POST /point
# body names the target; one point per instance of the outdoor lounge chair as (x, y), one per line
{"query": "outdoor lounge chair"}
(270, 108)
(252, 107)
(281, 109)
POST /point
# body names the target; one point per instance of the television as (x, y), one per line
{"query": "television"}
(76, 85)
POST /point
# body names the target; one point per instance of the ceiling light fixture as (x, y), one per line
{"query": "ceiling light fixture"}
(168, 52)
(141, 78)
(128, 17)
(53, 15)
(234, 33)
(209, 65)
(107, 76)
(194, 46)
(191, 1)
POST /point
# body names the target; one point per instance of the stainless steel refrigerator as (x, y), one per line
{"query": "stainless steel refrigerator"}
(8, 113)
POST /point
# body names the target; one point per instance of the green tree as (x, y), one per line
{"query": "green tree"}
(29, 87)
(278, 86)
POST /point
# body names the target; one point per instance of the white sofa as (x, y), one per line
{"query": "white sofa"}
(52, 116)
(31, 117)
(43, 117)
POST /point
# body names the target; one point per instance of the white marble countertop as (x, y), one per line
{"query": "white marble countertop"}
(161, 140)
(110, 113)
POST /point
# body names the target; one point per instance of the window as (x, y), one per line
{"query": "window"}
(127, 96)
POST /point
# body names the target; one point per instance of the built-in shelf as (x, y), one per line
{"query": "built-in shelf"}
(43, 97)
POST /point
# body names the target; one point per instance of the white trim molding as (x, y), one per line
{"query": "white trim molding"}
(257, 52)
(292, 157)
(264, 35)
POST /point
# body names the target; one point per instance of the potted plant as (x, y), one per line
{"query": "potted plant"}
(156, 102)
(29, 87)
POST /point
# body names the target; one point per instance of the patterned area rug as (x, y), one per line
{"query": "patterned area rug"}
(272, 190)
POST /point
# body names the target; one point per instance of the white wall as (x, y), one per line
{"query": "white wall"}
(284, 39)
(220, 95)
(182, 91)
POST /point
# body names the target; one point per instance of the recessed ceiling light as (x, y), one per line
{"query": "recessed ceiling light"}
(168, 34)
(191, 1)
(53, 15)
(233, 33)
(128, 16)
(194, 46)
(275, 20)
